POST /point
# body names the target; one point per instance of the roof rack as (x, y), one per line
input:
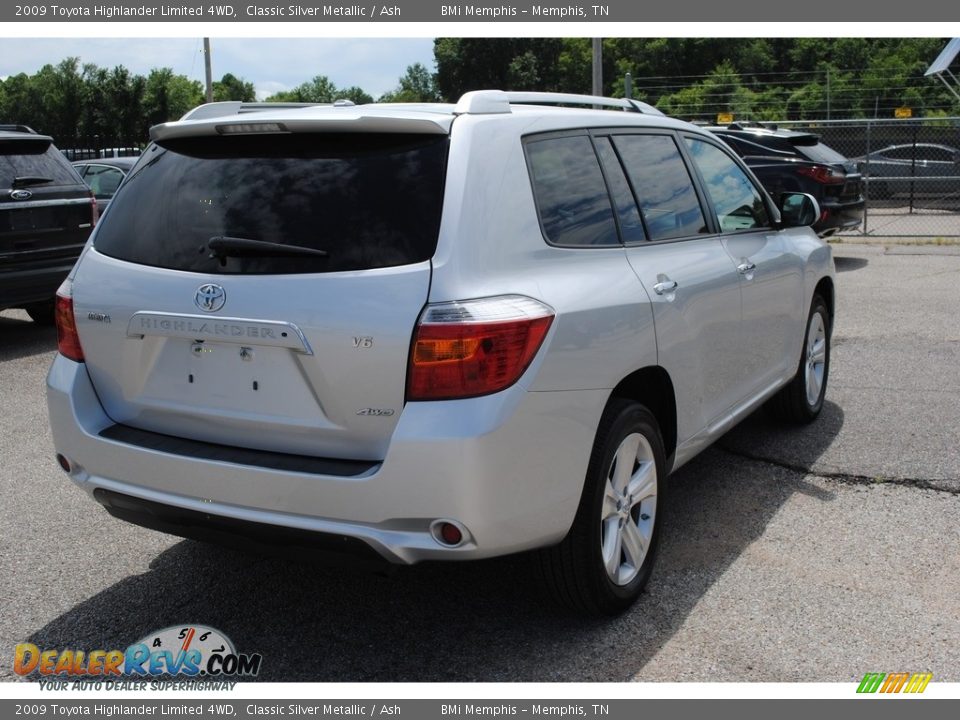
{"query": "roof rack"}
(492, 102)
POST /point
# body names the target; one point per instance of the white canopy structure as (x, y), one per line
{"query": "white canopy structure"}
(941, 67)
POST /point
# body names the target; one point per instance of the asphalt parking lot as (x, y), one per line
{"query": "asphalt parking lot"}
(814, 554)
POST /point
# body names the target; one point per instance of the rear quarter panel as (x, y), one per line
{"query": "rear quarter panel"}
(491, 244)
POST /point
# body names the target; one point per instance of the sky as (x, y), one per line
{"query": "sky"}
(271, 64)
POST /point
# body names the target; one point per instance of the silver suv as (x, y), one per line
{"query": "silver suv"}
(433, 331)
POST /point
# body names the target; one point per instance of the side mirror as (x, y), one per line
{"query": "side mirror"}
(798, 209)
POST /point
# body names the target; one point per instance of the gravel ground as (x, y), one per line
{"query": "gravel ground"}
(815, 554)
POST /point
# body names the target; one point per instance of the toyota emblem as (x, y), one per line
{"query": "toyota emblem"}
(210, 297)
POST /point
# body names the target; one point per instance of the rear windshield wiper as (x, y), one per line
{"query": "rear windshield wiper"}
(25, 180)
(222, 247)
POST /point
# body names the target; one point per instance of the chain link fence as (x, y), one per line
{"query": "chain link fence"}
(96, 146)
(911, 171)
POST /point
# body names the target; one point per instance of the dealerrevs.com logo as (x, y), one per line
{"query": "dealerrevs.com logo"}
(185, 656)
(887, 683)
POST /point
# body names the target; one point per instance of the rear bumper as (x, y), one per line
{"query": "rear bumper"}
(508, 468)
(239, 534)
(840, 215)
(19, 287)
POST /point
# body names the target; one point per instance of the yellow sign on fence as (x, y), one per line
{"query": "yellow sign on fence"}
(724, 118)
(903, 112)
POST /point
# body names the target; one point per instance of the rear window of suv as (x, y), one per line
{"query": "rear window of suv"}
(34, 159)
(367, 200)
(821, 153)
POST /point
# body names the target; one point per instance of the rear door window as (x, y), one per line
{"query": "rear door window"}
(631, 227)
(367, 200)
(662, 185)
(571, 196)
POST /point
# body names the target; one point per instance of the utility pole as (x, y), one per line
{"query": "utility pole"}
(206, 62)
(597, 66)
(828, 93)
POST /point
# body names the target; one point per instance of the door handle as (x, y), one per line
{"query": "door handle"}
(747, 267)
(667, 286)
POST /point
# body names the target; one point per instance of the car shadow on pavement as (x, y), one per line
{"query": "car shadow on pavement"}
(846, 264)
(483, 621)
(21, 337)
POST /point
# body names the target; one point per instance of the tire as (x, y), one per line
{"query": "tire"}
(41, 313)
(605, 561)
(802, 399)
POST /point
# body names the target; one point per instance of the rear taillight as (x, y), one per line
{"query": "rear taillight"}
(823, 174)
(475, 347)
(94, 211)
(68, 341)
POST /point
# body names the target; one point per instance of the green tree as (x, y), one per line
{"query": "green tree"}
(465, 64)
(61, 93)
(416, 85)
(318, 90)
(20, 103)
(354, 94)
(123, 119)
(168, 96)
(522, 72)
(321, 90)
(230, 87)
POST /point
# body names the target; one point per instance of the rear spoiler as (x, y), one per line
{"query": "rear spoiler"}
(233, 118)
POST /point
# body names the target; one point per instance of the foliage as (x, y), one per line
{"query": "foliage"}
(697, 78)
(230, 87)
(691, 78)
(465, 64)
(417, 85)
(82, 105)
(321, 90)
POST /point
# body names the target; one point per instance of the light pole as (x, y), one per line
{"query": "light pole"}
(206, 63)
(597, 66)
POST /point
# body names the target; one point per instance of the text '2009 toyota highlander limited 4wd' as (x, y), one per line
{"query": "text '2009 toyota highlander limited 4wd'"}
(434, 331)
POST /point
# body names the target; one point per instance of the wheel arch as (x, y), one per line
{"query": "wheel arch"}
(824, 289)
(652, 387)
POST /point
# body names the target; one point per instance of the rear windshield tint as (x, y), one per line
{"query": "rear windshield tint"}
(34, 158)
(759, 145)
(821, 153)
(369, 201)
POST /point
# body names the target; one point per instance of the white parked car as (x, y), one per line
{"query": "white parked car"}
(437, 332)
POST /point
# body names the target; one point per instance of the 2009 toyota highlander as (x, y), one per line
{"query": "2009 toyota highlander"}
(434, 331)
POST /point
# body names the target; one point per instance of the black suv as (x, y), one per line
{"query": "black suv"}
(46, 214)
(791, 161)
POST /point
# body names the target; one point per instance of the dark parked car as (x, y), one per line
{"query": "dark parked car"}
(46, 214)
(792, 161)
(104, 175)
(920, 168)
